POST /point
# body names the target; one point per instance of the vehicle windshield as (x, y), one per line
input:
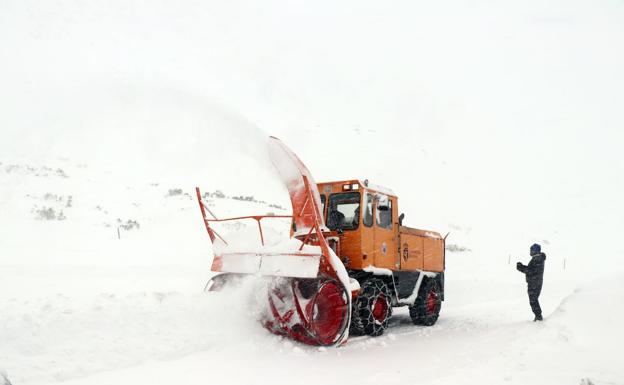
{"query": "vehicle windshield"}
(344, 211)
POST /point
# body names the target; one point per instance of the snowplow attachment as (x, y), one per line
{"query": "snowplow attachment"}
(309, 297)
(297, 265)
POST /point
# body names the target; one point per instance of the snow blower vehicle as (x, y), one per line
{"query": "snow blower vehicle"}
(349, 259)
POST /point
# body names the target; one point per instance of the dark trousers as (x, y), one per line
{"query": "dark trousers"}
(534, 293)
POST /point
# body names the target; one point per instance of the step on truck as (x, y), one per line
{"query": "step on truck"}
(348, 261)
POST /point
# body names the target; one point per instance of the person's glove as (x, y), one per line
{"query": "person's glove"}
(518, 264)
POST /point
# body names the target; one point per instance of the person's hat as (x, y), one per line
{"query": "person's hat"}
(536, 249)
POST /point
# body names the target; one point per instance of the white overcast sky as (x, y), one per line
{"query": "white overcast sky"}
(501, 115)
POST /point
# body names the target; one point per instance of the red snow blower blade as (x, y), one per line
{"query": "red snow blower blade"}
(309, 295)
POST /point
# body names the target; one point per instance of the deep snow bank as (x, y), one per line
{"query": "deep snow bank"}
(485, 342)
(58, 336)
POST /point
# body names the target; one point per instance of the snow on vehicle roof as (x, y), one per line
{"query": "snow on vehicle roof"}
(370, 186)
(379, 189)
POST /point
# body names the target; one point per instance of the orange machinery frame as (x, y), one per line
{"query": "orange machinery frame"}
(397, 248)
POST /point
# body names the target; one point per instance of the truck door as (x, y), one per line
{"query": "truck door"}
(367, 231)
(385, 234)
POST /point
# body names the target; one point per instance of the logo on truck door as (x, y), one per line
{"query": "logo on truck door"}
(405, 252)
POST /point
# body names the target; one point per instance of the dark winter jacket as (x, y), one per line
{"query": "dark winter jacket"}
(534, 271)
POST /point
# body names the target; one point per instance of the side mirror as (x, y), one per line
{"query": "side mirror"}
(383, 203)
(401, 219)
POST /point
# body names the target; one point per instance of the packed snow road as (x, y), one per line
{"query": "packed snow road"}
(484, 332)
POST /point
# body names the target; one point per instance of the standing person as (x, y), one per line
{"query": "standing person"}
(534, 272)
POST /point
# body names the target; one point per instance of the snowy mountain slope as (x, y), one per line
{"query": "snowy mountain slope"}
(91, 270)
(505, 112)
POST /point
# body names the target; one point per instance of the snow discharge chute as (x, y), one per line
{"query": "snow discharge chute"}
(309, 297)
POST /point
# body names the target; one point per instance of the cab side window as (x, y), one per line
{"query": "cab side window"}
(384, 216)
(368, 210)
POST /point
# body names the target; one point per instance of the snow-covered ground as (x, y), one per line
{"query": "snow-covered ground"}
(499, 122)
(102, 308)
(473, 342)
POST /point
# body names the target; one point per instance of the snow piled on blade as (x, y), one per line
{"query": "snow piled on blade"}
(291, 171)
(280, 255)
(242, 244)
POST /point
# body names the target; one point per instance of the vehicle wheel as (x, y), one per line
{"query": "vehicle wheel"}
(426, 308)
(371, 309)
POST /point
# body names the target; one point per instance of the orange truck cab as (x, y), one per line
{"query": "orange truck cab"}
(367, 233)
(365, 219)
